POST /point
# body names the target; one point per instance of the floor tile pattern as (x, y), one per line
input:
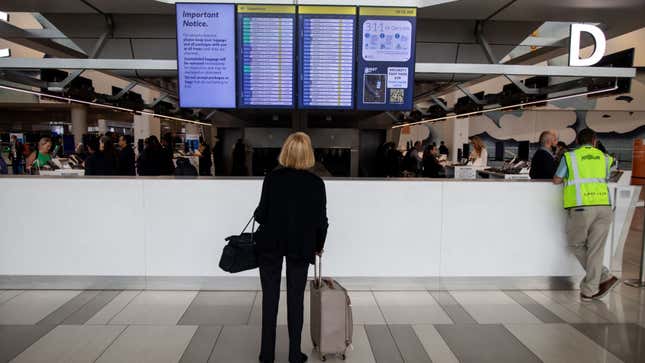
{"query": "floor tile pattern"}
(391, 326)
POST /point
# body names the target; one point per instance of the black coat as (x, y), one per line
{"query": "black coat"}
(542, 165)
(292, 214)
(431, 166)
(149, 163)
(126, 161)
(100, 163)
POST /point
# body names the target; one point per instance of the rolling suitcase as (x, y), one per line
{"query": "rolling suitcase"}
(331, 316)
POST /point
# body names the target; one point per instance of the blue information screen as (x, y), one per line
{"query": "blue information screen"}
(206, 55)
(266, 56)
(326, 44)
(386, 58)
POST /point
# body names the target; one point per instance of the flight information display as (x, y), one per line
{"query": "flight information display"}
(386, 58)
(326, 43)
(266, 56)
(206, 55)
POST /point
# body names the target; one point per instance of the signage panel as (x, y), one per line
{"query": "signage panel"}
(386, 58)
(327, 45)
(266, 56)
(206, 55)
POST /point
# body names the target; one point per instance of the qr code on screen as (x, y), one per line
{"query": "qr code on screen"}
(397, 95)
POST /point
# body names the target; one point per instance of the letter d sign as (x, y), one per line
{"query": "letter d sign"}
(574, 48)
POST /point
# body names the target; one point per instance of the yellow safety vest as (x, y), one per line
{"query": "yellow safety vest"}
(586, 182)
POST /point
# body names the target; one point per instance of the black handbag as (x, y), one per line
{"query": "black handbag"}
(239, 253)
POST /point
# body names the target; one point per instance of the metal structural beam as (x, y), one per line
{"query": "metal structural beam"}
(450, 68)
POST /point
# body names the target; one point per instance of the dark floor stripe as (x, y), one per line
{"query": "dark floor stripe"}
(626, 341)
(383, 346)
(409, 344)
(455, 311)
(490, 343)
(69, 308)
(14, 339)
(201, 345)
(85, 313)
(534, 307)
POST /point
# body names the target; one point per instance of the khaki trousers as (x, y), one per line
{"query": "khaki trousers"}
(587, 230)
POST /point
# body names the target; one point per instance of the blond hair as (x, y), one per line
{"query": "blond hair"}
(297, 152)
(478, 143)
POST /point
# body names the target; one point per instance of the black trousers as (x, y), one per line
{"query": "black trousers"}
(270, 271)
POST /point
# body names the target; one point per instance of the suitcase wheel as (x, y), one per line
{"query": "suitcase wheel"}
(343, 357)
(323, 358)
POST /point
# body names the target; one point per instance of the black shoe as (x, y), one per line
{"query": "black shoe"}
(303, 358)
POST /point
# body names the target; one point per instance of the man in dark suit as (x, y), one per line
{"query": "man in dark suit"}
(543, 164)
(126, 156)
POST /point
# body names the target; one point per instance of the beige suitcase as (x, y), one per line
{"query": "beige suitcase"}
(331, 316)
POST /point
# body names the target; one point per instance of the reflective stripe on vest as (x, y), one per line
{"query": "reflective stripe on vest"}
(586, 184)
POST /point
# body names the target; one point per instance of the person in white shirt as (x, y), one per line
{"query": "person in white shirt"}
(479, 155)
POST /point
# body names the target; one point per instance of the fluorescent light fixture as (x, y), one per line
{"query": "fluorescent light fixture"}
(65, 99)
(72, 100)
(4, 16)
(173, 118)
(502, 108)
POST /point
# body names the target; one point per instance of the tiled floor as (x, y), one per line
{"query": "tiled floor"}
(415, 326)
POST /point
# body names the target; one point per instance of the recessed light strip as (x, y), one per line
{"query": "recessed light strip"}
(72, 100)
(502, 108)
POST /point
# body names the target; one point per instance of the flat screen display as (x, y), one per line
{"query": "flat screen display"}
(206, 55)
(386, 47)
(327, 46)
(266, 56)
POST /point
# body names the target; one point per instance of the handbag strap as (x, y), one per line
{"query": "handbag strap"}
(252, 228)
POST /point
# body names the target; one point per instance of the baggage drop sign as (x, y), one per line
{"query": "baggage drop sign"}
(386, 46)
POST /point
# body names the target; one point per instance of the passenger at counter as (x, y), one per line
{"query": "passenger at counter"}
(479, 155)
(585, 172)
(560, 149)
(443, 149)
(413, 159)
(40, 157)
(126, 156)
(104, 159)
(16, 155)
(293, 224)
(239, 159)
(149, 163)
(205, 161)
(543, 163)
(167, 154)
(431, 165)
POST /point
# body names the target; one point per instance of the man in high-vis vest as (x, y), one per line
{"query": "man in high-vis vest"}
(585, 172)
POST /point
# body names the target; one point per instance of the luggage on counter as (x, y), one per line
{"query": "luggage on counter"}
(239, 254)
(331, 316)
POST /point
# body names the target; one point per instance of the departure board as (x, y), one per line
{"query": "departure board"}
(326, 43)
(266, 54)
(386, 58)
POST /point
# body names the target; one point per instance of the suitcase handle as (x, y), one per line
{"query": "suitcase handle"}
(318, 270)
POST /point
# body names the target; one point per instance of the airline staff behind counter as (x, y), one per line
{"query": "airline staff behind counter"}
(585, 172)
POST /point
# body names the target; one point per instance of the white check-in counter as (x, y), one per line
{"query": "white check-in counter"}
(165, 227)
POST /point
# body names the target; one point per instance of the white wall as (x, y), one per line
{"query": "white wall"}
(379, 228)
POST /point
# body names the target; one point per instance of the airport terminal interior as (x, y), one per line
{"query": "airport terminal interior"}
(135, 137)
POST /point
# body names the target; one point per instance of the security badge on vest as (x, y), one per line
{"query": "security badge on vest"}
(586, 182)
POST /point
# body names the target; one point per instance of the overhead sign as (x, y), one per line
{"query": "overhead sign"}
(574, 45)
(266, 55)
(385, 77)
(326, 57)
(206, 55)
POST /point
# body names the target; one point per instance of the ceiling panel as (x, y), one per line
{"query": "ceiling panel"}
(463, 9)
(572, 10)
(46, 6)
(77, 6)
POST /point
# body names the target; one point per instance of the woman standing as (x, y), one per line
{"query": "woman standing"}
(479, 155)
(40, 157)
(104, 159)
(293, 225)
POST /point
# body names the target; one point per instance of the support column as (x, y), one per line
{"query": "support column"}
(79, 123)
(103, 127)
(146, 126)
(457, 135)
